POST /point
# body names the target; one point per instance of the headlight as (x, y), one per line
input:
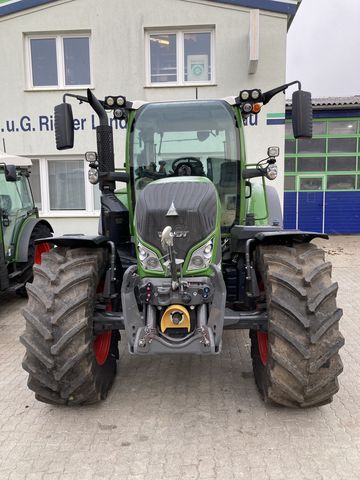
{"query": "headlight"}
(247, 107)
(118, 113)
(202, 256)
(110, 101)
(244, 95)
(91, 157)
(271, 171)
(120, 101)
(93, 176)
(273, 152)
(148, 259)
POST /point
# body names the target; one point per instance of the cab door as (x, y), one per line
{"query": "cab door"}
(15, 206)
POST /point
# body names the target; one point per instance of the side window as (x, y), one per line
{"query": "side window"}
(24, 192)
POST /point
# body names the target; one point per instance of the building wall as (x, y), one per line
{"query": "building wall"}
(118, 64)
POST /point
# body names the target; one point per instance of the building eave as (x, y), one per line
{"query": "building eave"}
(15, 6)
(288, 7)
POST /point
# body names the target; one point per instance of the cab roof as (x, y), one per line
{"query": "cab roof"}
(9, 159)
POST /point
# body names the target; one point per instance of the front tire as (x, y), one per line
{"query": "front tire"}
(296, 363)
(65, 367)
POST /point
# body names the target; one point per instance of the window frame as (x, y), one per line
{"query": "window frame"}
(180, 50)
(60, 60)
(45, 211)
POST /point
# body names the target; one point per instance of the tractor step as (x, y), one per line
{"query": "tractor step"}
(15, 287)
(254, 320)
(105, 321)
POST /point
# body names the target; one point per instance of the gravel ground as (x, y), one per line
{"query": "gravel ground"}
(176, 417)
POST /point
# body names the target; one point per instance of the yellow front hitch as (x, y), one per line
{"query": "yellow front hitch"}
(175, 316)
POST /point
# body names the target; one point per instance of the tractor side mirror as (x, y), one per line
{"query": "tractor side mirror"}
(302, 118)
(64, 126)
(10, 173)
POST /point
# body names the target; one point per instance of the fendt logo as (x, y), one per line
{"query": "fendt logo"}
(177, 233)
(172, 211)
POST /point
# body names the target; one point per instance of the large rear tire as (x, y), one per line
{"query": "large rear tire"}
(296, 363)
(65, 364)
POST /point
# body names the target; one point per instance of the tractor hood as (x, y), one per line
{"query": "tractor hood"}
(188, 204)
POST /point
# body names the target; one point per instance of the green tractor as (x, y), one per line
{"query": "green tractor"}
(20, 226)
(193, 245)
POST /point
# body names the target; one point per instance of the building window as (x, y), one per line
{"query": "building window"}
(60, 187)
(334, 152)
(58, 61)
(312, 145)
(290, 164)
(341, 164)
(180, 57)
(341, 182)
(66, 184)
(310, 164)
(35, 182)
(311, 183)
(290, 183)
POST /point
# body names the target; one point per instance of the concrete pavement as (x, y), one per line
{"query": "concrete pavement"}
(185, 417)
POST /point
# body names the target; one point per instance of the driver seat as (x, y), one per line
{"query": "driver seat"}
(228, 175)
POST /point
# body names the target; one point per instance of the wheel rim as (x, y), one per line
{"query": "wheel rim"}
(102, 347)
(39, 250)
(102, 341)
(262, 338)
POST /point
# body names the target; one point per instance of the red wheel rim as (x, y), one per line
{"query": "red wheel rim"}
(102, 347)
(102, 341)
(262, 338)
(39, 250)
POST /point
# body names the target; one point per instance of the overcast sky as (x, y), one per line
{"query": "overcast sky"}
(324, 47)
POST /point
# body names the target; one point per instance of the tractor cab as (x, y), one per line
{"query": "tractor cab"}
(188, 139)
(16, 202)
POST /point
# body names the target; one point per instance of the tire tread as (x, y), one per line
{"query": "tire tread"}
(303, 330)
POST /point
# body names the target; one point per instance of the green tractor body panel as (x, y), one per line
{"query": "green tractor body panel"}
(18, 223)
(256, 205)
(122, 195)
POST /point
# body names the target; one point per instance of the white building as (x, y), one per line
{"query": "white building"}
(144, 49)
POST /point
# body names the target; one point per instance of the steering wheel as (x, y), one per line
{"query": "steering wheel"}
(186, 166)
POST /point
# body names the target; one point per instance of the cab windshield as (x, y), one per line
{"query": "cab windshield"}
(188, 139)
